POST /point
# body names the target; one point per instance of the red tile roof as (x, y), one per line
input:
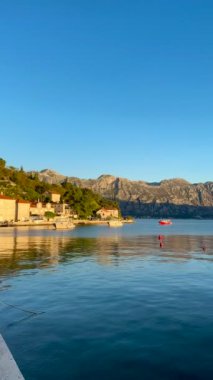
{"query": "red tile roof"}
(6, 197)
(22, 201)
(33, 204)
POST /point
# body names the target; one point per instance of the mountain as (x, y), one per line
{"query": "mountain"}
(168, 198)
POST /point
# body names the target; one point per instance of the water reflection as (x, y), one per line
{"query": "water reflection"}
(24, 252)
(142, 310)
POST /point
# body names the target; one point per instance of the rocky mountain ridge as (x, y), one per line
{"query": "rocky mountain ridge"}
(168, 198)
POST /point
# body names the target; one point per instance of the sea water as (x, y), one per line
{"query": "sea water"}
(109, 303)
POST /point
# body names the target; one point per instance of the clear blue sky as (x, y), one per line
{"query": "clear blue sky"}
(108, 86)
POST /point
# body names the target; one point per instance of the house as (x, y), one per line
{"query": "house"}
(54, 197)
(22, 210)
(62, 209)
(39, 208)
(105, 213)
(35, 208)
(7, 208)
(13, 209)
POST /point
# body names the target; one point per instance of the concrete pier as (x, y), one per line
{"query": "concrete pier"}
(8, 367)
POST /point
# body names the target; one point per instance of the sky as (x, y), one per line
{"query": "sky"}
(121, 87)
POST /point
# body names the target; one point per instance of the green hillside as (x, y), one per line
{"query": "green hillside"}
(20, 185)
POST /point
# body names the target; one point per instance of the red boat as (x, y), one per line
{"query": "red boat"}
(164, 222)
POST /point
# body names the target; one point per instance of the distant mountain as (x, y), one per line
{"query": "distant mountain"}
(168, 198)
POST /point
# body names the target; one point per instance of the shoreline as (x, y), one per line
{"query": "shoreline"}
(76, 222)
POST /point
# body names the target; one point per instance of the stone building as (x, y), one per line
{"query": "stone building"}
(7, 208)
(105, 213)
(22, 210)
(39, 208)
(54, 197)
(62, 209)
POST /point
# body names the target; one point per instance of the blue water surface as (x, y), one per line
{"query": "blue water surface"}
(115, 305)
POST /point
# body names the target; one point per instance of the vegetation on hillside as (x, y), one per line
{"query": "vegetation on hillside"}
(20, 185)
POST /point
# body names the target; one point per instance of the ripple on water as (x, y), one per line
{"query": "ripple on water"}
(117, 307)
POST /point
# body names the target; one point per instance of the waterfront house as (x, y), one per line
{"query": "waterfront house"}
(22, 210)
(62, 209)
(7, 208)
(105, 213)
(13, 210)
(39, 208)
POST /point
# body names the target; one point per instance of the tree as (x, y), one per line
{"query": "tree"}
(49, 215)
(2, 163)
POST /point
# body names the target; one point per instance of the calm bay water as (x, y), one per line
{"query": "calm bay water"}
(115, 305)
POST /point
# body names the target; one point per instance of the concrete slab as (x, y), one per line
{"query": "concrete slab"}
(8, 367)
